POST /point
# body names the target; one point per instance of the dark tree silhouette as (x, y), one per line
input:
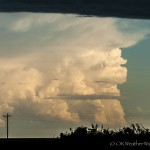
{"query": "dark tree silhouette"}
(103, 136)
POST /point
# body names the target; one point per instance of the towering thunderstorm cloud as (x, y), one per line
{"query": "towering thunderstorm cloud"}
(64, 67)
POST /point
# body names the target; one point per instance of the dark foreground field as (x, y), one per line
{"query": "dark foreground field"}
(99, 144)
(105, 143)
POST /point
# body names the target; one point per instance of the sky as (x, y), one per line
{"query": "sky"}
(59, 71)
(136, 89)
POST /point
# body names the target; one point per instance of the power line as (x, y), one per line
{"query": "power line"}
(7, 117)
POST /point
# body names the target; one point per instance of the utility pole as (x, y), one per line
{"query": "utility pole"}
(7, 117)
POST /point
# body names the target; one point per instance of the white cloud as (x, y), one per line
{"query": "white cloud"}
(106, 112)
(52, 54)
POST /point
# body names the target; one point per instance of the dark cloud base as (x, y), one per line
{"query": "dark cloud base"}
(84, 97)
(139, 9)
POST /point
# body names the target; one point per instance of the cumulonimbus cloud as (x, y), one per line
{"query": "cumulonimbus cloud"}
(52, 62)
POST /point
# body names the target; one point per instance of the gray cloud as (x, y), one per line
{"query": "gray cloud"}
(84, 97)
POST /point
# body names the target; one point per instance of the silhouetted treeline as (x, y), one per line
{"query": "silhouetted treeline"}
(134, 134)
(135, 130)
